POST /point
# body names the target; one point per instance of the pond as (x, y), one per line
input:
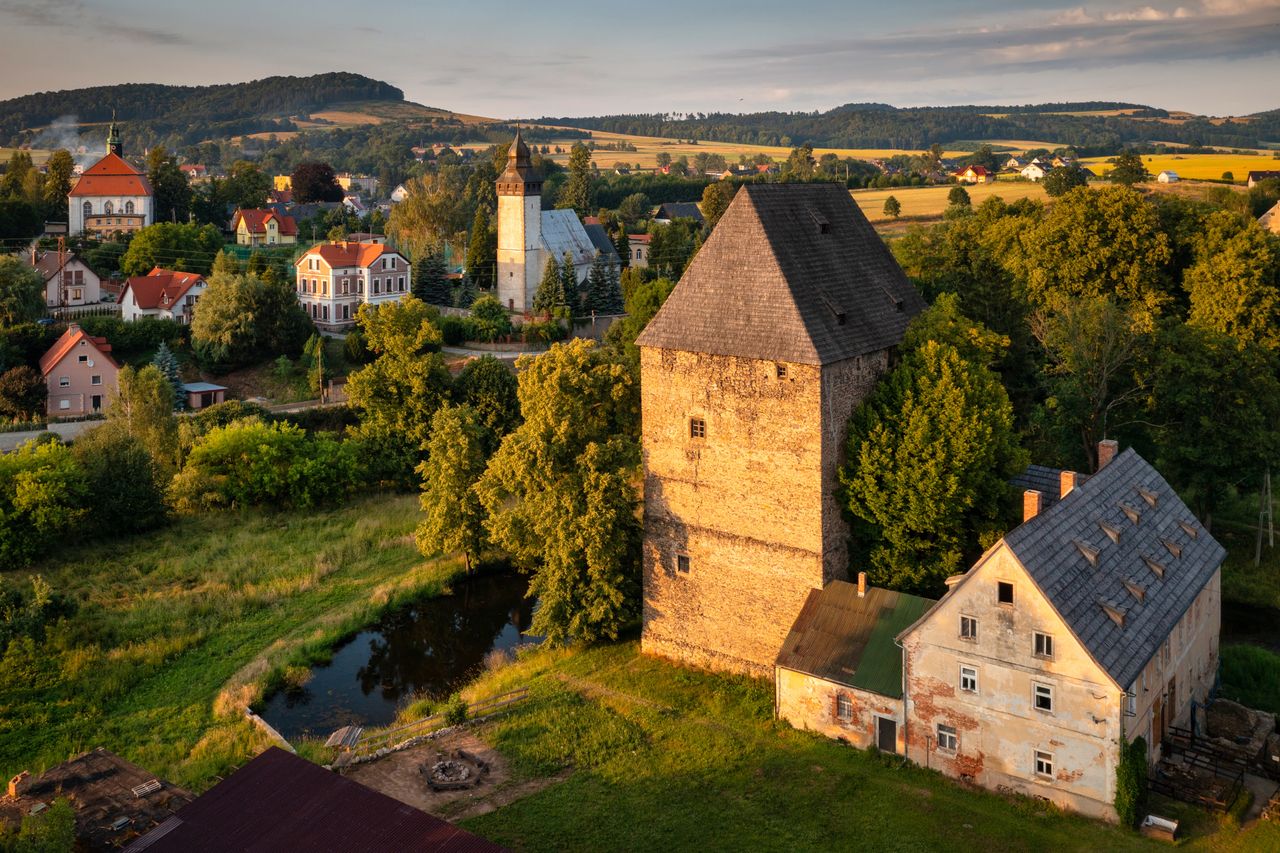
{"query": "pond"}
(429, 648)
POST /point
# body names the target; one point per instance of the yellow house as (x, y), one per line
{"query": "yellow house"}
(264, 228)
(281, 183)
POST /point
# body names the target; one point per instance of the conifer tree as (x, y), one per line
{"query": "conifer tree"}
(569, 284)
(167, 363)
(226, 263)
(550, 294)
(465, 293)
(604, 294)
(482, 251)
(430, 281)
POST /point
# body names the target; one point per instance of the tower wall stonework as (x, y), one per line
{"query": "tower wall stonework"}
(751, 504)
(519, 249)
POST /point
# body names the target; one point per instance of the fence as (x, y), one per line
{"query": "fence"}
(98, 309)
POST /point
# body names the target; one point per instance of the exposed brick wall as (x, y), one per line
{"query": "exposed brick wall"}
(809, 703)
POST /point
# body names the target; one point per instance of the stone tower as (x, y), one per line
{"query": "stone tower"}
(749, 373)
(113, 138)
(519, 229)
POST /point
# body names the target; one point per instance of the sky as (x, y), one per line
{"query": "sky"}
(577, 58)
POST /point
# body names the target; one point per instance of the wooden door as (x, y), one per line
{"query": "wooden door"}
(886, 734)
(1157, 714)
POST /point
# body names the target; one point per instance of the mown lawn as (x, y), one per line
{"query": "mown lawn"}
(665, 758)
(177, 630)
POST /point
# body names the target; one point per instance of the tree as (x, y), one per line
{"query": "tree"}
(930, 454)
(550, 294)
(51, 831)
(167, 363)
(715, 200)
(22, 393)
(242, 319)
(1234, 283)
(453, 519)
(560, 492)
(21, 292)
(576, 192)
(671, 247)
(142, 405)
(430, 280)
(171, 192)
(42, 495)
(569, 284)
(465, 293)
(1128, 170)
(16, 174)
(60, 168)
(482, 251)
(641, 306)
(1063, 180)
(245, 187)
(892, 208)
(663, 159)
(634, 209)
(958, 197)
(118, 463)
(799, 165)
(174, 246)
(490, 390)
(434, 213)
(604, 292)
(313, 182)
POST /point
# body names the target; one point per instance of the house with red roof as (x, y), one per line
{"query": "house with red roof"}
(335, 279)
(163, 294)
(259, 227)
(111, 196)
(79, 372)
(974, 175)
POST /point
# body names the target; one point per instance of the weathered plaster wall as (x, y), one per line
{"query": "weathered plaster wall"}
(999, 728)
(809, 703)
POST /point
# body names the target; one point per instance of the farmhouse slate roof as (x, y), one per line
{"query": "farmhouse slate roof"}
(600, 239)
(1045, 480)
(849, 640)
(793, 273)
(678, 210)
(1166, 533)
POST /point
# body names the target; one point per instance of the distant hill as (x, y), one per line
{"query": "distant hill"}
(1087, 125)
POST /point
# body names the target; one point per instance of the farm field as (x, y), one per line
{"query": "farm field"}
(176, 630)
(38, 155)
(1196, 167)
(927, 202)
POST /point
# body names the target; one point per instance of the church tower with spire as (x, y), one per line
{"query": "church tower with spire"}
(519, 229)
(113, 138)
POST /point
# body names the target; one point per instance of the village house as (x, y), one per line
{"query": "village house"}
(264, 228)
(399, 194)
(335, 279)
(1256, 177)
(79, 372)
(1034, 171)
(974, 175)
(68, 280)
(162, 294)
(1168, 176)
(672, 210)
(357, 183)
(780, 326)
(1013, 164)
(1271, 219)
(196, 173)
(639, 247)
(111, 195)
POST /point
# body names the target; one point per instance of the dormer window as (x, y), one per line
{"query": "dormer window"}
(1116, 613)
(1189, 529)
(1089, 552)
(1135, 589)
(1149, 496)
(1131, 513)
(1154, 565)
(1113, 533)
(1172, 547)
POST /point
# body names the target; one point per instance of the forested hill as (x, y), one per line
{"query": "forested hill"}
(1101, 125)
(168, 108)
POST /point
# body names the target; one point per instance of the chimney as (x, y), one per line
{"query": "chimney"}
(1107, 450)
(862, 584)
(1066, 482)
(19, 784)
(1032, 503)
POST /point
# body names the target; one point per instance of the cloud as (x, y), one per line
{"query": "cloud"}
(80, 17)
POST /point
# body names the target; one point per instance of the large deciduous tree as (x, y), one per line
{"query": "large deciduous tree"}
(490, 389)
(142, 406)
(1128, 170)
(1234, 282)
(175, 246)
(171, 192)
(21, 292)
(453, 519)
(242, 319)
(22, 393)
(313, 182)
(715, 201)
(434, 212)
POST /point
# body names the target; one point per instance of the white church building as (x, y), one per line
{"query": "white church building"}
(528, 235)
(111, 195)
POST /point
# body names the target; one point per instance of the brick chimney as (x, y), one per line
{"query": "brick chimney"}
(1066, 482)
(862, 584)
(1032, 503)
(1107, 450)
(19, 784)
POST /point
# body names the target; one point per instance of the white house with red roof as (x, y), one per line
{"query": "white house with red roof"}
(80, 373)
(162, 294)
(68, 280)
(259, 227)
(335, 279)
(111, 195)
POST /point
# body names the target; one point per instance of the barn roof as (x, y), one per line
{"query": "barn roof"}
(842, 637)
(281, 802)
(792, 272)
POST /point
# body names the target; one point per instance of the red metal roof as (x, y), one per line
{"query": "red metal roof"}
(70, 340)
(281, 802)
(256, 220)
(160, 288)
(348, 254)
(111, 176)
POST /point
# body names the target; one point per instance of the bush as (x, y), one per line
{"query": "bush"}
(1131, 782)
(43, 494)
(118, 464)
(356, 349)
(27, 615)
(454, 330)
(543, 332)
(320, 419)
(489, 320)
(455, 711)
(137, 339)
(22, 393)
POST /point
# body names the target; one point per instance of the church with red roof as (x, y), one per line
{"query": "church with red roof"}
(111, 196)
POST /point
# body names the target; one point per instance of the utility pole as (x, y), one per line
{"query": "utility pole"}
(1264, 517)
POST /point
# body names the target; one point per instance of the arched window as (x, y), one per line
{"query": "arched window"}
(88, 209)
(128, 207)
(108, 209)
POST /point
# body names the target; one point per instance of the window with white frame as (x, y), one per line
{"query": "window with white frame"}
(64, 404)
(64, 381)
(968, 678)
(95, 380)
(968, 628)
(844, 707)
(1131, 704)
(1042, 697)
(1043, 645)
(1044, 763)
(947, 739)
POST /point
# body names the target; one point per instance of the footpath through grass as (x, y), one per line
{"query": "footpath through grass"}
(665, 758)
(178, 630)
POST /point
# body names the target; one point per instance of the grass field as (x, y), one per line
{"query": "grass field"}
(38, 155)
(930, 202)
(1199, 167)
(178, 630)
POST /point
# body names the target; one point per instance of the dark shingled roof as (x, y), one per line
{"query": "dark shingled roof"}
(279, 801)
(792, 272)
(850, 640)
(679, 210)
(1043, 479)
(1077, 588)
(600, 239)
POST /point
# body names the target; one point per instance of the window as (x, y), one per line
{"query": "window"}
(682, 563)
(1043, 698)
(947, 740)
(88, 208)
(968, 628)
(1004, 592)
(844, 708)
(1131, 705)
(128, 207)
(1044, 764)
(64, 381)
(82, 359)
(401, 282)
(64, 404)
(782, 371)
(108, 208)
(77, 293)
(95, 380)
(1043, 645)
(969, 679)
(697, 428)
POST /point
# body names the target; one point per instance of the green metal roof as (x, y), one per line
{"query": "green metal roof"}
(849, 639)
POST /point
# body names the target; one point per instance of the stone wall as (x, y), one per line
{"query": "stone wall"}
(809, 703)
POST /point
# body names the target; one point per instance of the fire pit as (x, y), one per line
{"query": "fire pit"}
(454, 773)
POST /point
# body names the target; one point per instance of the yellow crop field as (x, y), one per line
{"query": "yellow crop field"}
(932, 201)
(38, 155)
(1196, 166)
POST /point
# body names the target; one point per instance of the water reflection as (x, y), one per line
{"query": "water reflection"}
(429, 648)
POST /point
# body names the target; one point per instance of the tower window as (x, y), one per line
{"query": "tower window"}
(697, 428)
(682, 563)
(782, 371)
